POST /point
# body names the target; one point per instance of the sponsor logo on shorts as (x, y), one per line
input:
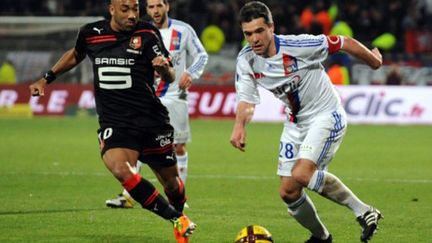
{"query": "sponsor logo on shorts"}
(305, 147)
(164, 139)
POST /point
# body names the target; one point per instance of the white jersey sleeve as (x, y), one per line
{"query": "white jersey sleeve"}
(246, 87)
(308, 49)
(196, 51)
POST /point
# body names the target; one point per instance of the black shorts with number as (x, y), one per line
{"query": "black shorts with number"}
(155, 145)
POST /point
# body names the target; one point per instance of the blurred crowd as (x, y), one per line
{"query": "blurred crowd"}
(402, 29)
(367, 19)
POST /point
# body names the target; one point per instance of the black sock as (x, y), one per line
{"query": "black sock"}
(148, 196)
(178, 198)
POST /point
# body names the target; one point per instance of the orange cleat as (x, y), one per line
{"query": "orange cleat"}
(183, 228)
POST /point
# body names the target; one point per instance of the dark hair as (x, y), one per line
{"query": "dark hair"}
(164, 1)
(255, 10)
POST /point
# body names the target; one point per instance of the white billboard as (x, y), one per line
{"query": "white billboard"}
(367, 105)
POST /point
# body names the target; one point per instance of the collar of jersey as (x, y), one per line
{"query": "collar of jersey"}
(277, 43)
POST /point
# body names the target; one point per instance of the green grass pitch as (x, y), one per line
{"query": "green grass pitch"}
(54, 185)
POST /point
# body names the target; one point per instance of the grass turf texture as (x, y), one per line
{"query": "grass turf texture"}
(53, 185)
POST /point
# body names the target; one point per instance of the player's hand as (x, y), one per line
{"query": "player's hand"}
(38, 88)
(185, 81)
(378, 56)
(160, 63)
(238, 138)
(163, 66)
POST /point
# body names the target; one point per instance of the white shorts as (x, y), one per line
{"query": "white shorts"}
(317, 141)
(179, 118)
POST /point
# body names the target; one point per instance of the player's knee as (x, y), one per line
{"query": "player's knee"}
(121, 173)
(289, 195)
(180, 149)
(303, 171)
(301, 176)
(171, 186)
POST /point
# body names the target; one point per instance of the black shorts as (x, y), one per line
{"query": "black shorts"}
(155, 145)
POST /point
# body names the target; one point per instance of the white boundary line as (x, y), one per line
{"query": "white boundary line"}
(229, 177)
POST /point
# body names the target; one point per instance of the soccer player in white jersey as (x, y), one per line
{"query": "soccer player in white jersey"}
(290, 67)
(184, 45)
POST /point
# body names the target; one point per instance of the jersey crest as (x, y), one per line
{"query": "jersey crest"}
(289, 63)
(175, 40)
(135, 42)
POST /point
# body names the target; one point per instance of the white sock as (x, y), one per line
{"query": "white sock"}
(303, 210)
(137, 170)
(138, 166)
(182, 164)
(329, 186)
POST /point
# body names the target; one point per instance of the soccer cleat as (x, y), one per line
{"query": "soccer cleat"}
(122, 201)
(369, 223)
(183, 228)
(313, 239)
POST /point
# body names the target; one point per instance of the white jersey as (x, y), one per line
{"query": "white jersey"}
(182, 42)
(295, 75)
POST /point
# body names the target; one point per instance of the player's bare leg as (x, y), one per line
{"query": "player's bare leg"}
(124, 200)
(301, 207)
(173, 186)
(328, 185)
(120, 162)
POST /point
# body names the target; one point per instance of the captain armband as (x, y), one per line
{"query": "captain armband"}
(335, 43)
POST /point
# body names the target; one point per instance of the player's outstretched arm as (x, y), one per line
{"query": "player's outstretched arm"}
(373, 57)
(70, 59)
(244, 115)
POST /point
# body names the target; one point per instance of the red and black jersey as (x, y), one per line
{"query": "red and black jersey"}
(123, 74)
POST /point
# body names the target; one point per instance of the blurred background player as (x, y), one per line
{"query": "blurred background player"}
(290, 67)
(8, 73)
(184, 46)
(126, 53)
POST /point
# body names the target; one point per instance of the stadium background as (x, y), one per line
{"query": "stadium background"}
(53, 184)
(35, 33)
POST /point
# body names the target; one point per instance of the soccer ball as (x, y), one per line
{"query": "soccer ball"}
(254, 234)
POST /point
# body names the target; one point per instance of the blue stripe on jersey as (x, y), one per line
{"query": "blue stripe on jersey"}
(294, 100)
(245, 50)
(301, 40)
(277, 43)
(301, 43)
(319, 181)
(333, 133)
(197, 47)
(164, 90)
(199, 64)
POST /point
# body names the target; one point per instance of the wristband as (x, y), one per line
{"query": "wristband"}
(50, 76)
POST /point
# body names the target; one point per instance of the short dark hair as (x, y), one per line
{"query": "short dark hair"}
(255, 10)
(164, 1)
